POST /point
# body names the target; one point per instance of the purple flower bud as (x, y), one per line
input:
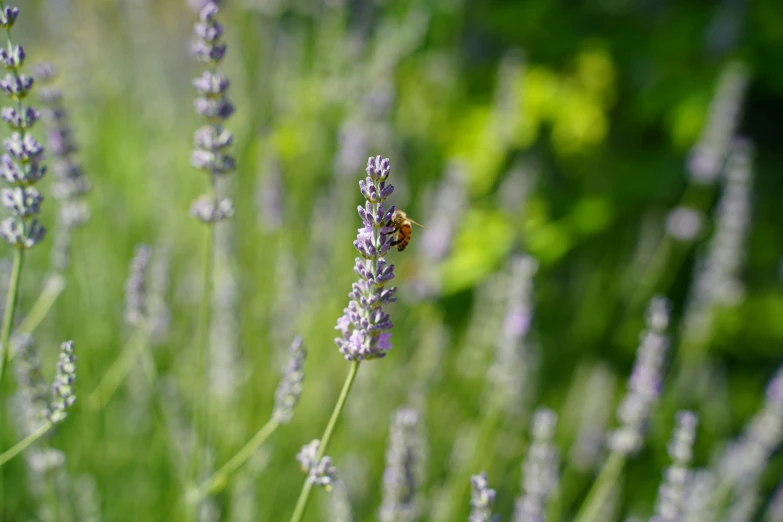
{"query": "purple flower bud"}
(16, 86)
(8, 17)
(12, 58)
(211, 84)
(481, 499)
(214, 109)
(22, 201)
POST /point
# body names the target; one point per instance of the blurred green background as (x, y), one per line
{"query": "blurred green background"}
(562, 130)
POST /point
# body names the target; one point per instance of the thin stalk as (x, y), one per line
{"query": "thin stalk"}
(304, 496)
(601, 489)
(219, 479)
(116, 374)
(202, 351)
(54, 286)
(24, 443)
(10, 310)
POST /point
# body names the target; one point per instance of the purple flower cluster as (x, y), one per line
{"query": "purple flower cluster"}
(540, 470)
(482, 497)
(364, 326)
(321, 473)
(212, 140)
(404, 469)
(644, 386)
(290, 388)
(671, 495)
(21, 165)
(746, 458)
(70, 185)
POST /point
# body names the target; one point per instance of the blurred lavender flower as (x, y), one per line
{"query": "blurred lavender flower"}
(86, 499)
(746, 458)
(63, 393)
(540, 470)
(158, 313)
(353, 147)
(70, 184)
(32, 399)
(481, 499)
(706, 158)
(644, 386)
(744, 506)
(212, 140)
(364, 327)
(404, 469)
(684, 223)
(270, 196)
(672, 492)
(321, 473)
(717, 274)
(136, 286)
(290, 387)
(449, 200)
(510, 371)
(594, 403)
(775, 507)
(21, 165)
(697, 504)
(340, 503)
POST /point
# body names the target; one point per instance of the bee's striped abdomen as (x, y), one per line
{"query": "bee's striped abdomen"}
(404, 236)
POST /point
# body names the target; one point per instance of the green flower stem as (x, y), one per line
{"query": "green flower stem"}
(201, 424)
(55, 284)
(116, 374)
(602, 487)
(10, 311)
(219, 479)
(304, 496)
(24, 443)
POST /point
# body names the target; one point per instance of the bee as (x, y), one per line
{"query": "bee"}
(402, 226)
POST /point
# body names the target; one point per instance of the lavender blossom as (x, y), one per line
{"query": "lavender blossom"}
(775, 507)
(698, 505)
(321, 473)
(21, 166)
(481, 499)
(63, 394)
(510, 371)
(684, 223)
(717, 274)
(290, 387)
(540, 470)
(404, 469)
(671, 494)
(270, 195)
(706, 158)
(32, 399)
(212, 140)
(644, 386)
(746, 458)
(136, 286)
(70, 185)
(364, 327)
(449, 199)
(594, 411)
(339, 503)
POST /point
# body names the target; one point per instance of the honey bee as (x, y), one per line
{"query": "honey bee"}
(402, 226)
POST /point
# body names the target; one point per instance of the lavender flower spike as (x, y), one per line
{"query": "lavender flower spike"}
(539, 470)
(671, 495)
(644, 386)
(404, 467)
(21, 165)
(321, 473)
(364, 326)
(290, 387)
(212, 140)
(746, 458)
(63, 395)
(481, 499)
